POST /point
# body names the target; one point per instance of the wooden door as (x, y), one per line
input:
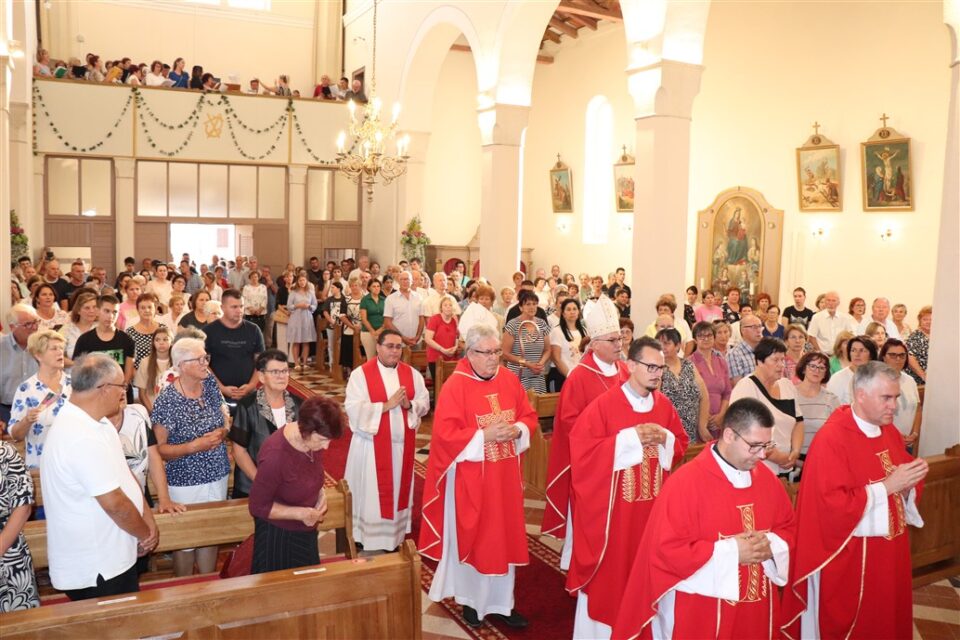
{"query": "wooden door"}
(151, 240)
(271, 245)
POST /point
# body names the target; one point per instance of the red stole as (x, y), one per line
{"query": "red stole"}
(584, 385)
(610, 508)
(865, 583)
(489, 519)
(698, 507)
(382, 444)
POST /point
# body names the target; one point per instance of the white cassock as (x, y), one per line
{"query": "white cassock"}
(720, 576)
(476, 313)
(485, 593)
(369, 529)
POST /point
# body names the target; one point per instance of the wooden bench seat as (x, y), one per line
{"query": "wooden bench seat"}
(935, 549)
(215, 523)
(536, 459)
(375, 597)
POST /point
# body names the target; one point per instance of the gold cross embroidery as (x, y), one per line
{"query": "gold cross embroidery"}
(756, 580)
(495, 451)
(898, 520)
(649, 487)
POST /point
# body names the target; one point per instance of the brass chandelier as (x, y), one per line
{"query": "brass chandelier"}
(366, 160)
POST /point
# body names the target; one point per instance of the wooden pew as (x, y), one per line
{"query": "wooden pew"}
(935, 549)
(445, 369)
(375, 597)
(215, 523)
(321, 357)
(535, 460)
(336, 371)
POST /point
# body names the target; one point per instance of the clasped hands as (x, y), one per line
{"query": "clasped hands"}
(312, 516)
(906, 476)
(651, 434)
(753, 547)
(398, 399)
(500, 432)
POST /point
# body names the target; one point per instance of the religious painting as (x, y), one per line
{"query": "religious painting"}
(561, 188)
(623, 184)
(886, 174)
(818, 177)
(739, 243)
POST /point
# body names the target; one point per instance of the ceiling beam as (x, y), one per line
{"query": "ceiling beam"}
(590, 10)
(551, 36)
(563, 27)
(541, 59)
(583, 21)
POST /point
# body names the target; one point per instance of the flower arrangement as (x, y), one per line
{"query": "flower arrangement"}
(19, 245)
(413, 239)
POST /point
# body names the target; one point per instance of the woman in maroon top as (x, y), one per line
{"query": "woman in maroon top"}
(286, 499)
(441, 336)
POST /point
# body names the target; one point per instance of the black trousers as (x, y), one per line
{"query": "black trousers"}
(275, 549)
(126, 582)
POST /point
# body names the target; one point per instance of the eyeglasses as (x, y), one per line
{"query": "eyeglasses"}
(897, 356)
(616, 340)
(392, 347)
(487, 354)
(749, 326)
(114, 384)
(33, 324)
(277, 373)
(705, 336)
(756, 447)
(205, 359)
(816, 367)
(652, 368)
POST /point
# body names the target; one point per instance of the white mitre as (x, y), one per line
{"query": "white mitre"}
(601, 317)
(476, 313)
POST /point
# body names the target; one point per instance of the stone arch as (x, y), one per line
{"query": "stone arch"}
(517, 44)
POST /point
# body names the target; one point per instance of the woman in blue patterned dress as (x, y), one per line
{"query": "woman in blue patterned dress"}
(301, 329)
(18, 586)
(189, 422)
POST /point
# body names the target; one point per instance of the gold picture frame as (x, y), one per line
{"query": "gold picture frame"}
(624, 185)
(886, 171)
(819, 185)
(561, 187)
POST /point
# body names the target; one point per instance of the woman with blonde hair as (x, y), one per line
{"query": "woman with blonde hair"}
(83, 316)
(127, 315)
(147, 378)
(40, 397)
(918, 344)
(898, 313)
(301, 329)
(839, 360)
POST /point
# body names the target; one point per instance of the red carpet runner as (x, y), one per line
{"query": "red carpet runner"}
(539, 591)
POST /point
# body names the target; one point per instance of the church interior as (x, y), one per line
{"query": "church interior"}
(723, 144)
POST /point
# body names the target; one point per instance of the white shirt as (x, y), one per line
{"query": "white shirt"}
(431, 304)
(825, 327)
(888, 326)
(404, 311)
(569, 351)
(84, 459)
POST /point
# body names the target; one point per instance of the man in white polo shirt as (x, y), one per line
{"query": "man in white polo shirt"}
(402, 311)
(97, 519)
(825, 325)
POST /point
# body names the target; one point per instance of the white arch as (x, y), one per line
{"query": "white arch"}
(519, 34)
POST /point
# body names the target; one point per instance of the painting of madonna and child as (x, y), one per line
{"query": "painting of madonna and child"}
(737, 248)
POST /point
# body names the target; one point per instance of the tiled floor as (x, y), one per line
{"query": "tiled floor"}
(936, 607)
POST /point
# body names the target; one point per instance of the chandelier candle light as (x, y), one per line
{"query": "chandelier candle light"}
(366, 159)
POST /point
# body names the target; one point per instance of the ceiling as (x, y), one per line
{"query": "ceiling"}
(573, 15)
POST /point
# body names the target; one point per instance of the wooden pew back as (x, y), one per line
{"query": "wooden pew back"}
(374, 598)
(215, 523)
(535, 460)
(935, 549)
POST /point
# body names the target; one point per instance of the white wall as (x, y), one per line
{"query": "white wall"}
(772, 69)
(224, 41)
(451, 202)
(589, 66)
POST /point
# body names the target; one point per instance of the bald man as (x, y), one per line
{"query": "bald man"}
(826, 324)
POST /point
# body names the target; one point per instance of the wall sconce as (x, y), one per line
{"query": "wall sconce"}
(886, 234)
(819, 232)
(626, 222)
(563, 224)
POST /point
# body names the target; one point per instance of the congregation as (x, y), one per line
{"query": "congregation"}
(162, 75)
(186, 362)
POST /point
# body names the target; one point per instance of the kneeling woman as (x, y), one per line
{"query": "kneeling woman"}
(287, 500)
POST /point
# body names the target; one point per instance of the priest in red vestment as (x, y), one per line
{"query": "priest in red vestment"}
(621, 450)
(717, 542)
(599, 370)
(385, 401)
(473, 517)
(851, 575)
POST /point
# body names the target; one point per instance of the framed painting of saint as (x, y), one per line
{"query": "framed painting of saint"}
(561, 188)
(623, 184)
(818, 177)
(886, 173)
(739, 243)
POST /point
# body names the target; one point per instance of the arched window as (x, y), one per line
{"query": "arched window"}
(597, 171)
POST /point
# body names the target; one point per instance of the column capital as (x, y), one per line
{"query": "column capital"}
(664, 88)
(502, 123)
(124, 168)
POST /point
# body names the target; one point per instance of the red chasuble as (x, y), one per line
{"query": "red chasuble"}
(611, 507)
(865, 583)
(584, 385)
(698, 507)
(382, 442)
(491, 533)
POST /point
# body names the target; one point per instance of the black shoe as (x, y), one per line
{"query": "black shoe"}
(470, 617)
(515, 620)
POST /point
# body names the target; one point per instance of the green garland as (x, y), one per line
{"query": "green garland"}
(145, 112)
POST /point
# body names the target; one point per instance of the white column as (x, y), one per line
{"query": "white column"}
(327, 34)
(297, 211)
(125, 194)
(6, 79)
(501, 128)
(663, 95)
(942, 399)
